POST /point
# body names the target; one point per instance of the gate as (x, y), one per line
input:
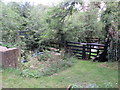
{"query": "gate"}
(84, 50)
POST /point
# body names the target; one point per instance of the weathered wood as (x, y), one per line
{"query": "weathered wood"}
(84, 49)
(93, 52)
(95, 44)
(102, 56)
(18, 37)
(78, 56)
(74, 46)
(90, 52)
(76, 43)
(76, 49)
(83, 52)
(77, 52)
(98, 51)
(95, 48)
(93, 55)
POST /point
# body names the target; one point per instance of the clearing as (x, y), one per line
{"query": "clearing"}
(83, 74)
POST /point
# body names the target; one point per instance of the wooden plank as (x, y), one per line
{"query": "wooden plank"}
(87, 51)
(78, 56)
(83, 52)
(76, 49)
(77, 52)
(90, 52)
(86, 47)
(19, 47)
(94, 44)
(73, 42)
(93, 52)
(74, 46)
(95, 48)
(93, 55)
(76, 43)
(98, 51)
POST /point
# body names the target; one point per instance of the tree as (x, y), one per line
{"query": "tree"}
(110, 20)
(11, 22)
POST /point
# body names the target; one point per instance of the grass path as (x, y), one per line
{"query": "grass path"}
(83, 73)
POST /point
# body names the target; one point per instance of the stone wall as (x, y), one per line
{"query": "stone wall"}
(9, 57)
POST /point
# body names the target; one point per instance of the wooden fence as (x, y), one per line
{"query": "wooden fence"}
(84, 50)
(81, 50)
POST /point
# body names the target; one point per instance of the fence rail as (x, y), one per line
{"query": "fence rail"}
(81, 50)
(84, 50)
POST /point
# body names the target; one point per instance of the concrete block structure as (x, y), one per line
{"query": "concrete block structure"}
(9, 57)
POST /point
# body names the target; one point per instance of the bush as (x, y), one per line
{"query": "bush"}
(31, 73)
(113, 50)
(59, 66)
(8, 45)
(50, 67)
(46, 55)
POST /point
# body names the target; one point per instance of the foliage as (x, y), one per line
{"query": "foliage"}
(60, 23)
(31, 73)
(118, 44)
(110, 19)
(46, 64)
(8, 45)
(10, 21)
(59, 66)
(45, 56)
(82, 73)
(80, 28)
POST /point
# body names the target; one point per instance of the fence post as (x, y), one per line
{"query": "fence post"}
(18, 37)
(83, 52)
(97, 51)
(90, 52)
(65, 46)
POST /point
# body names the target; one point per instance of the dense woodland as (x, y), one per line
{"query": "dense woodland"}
(67, 21)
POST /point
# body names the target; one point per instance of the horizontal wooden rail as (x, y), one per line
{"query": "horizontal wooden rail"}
(74, 46)
(84, 50)
(77, 52)
(78, 56)
(93, 52)
(93, 44)
(76, 43)
(93, 55)
(95, 48)
(76, 49)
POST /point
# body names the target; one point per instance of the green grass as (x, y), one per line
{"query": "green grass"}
(82, 74)
(92, 54)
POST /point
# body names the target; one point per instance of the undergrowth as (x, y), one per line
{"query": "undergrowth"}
(46, 66)
(59, 66)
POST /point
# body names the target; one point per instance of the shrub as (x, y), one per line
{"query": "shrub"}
(8, 45)
(59, 66)
(51, 66)
(45, 56)
(31, 73)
